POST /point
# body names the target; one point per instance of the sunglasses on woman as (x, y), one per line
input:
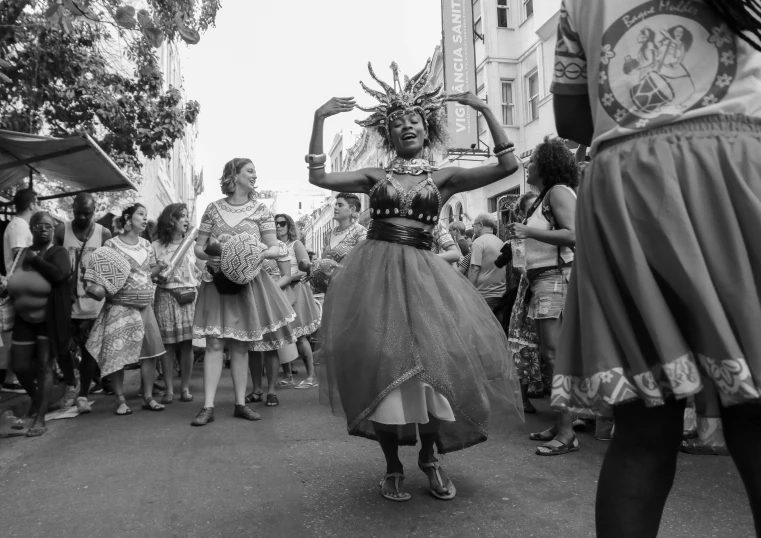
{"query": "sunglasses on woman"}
(281, 223)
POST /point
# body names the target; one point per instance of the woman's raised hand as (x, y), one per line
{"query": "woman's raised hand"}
(335, 106)
(468, 99)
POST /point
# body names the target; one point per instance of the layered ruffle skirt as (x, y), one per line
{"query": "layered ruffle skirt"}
(399, 314)
(259, 314)
(665, 292)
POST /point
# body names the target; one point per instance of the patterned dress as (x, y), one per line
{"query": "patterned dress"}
(343, 243)
(260, 314)
(175, 320)
(125, 331)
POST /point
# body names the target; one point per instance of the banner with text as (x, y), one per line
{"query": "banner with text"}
(459, 70)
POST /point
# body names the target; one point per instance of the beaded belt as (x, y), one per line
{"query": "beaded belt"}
(381, 230)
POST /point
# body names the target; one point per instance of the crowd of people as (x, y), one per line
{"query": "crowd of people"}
(620, 307)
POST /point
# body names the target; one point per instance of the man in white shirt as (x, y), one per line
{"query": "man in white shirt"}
(16, 237)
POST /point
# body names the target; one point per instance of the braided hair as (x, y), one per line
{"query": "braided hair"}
(743, 17)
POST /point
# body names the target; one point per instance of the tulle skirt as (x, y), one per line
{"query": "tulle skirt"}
(258, 314)
(665, 292)
(396, 312)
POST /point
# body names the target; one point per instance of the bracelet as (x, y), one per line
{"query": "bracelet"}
(315, 167)
(315, 159)
(504, 152)
(502, 147)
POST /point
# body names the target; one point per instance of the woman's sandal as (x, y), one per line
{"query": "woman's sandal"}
(556, 447)
(148, 407)
(167, 399)
(272, 400)
(398, 495)
(435, 479)
(254, 397)
(186, 396)
(546, 435)
(307, 384)
(36, 431)
(127, 410)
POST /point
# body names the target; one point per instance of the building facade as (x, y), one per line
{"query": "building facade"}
(515, 49)
(175, 178)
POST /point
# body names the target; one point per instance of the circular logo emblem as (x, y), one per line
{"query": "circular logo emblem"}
(663, 59)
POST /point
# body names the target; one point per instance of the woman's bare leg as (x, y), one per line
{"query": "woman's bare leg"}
(212, 369)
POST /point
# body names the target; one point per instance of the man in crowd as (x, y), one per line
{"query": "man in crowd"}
(80, 238)
(17, 236)
(457, 230)
(488, 279)
(469, 236)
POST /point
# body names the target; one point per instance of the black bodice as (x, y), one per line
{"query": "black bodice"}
(422, 202)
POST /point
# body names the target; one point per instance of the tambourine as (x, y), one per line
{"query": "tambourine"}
(107, 273)
(322, 272)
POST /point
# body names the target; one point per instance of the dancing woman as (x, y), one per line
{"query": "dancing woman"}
(664, 294)
(174, 304)
(410, 344)
(258, 317)
(126, 331)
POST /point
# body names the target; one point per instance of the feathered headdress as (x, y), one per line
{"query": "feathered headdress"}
(398, 100)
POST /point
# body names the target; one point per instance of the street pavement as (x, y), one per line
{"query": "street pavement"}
(296, 473)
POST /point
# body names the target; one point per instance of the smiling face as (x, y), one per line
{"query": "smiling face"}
(533, 175)
(407, 133)
(182, 223)
(245, 181)
(342, 210)
(42, 229)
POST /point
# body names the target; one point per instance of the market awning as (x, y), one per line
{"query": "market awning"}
(77, 161)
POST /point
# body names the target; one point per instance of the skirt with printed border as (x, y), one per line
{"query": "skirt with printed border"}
(259, 314)
(306, 308)
(395, 312)
(175, 320)
(665, 292)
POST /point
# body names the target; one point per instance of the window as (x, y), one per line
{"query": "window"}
(532, 94)
(493, 202)
(503, 14)
(528, 6)
(460, 212)
(478, 27)
(507, 103)
(450, 214)
(476, 9)
(480, 85)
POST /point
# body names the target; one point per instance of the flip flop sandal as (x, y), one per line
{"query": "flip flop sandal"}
(695, 448)
(452, 491)
(306, 385)
(546, 435)
(254, 397)
(558, 448)
(167, 399)
(148, 407)
(35, 432)
(127, 412)
(400, 495)
(285, 383)
(272, 400)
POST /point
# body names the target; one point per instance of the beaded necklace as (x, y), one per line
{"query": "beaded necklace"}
(412, 167)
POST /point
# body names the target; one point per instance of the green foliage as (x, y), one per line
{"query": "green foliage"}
(89, 65)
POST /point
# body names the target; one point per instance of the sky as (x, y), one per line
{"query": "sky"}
(268, 65)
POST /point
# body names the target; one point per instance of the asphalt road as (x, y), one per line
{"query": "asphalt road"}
(296, 473)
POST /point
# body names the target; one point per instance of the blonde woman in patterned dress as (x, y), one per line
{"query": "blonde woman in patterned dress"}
(126, 331)
(174, 303)
(258, 317)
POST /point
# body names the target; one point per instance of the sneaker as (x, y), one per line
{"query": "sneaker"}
(83, 406)
(13, 387)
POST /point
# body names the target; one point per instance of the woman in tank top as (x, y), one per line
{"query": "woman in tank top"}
(549, 237)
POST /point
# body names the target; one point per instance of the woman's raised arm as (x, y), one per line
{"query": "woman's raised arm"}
(355, 181)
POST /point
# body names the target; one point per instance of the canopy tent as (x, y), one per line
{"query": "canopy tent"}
(77, 161)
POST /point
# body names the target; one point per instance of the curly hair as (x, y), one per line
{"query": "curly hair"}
(293, 231)
(555, 163)
(127, 213)
(230, 172)
(435, 129)
(168, 219)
